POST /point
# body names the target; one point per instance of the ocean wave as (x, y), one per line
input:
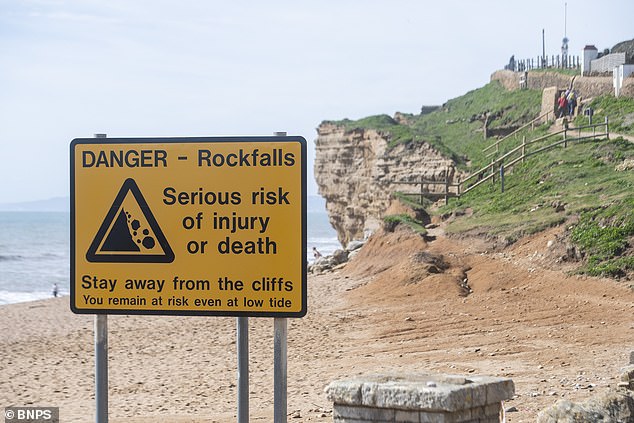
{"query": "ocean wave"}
(7, 297)
(324, 240)
(33, 257)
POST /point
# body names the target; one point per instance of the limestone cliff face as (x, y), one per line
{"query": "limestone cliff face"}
(356, 173)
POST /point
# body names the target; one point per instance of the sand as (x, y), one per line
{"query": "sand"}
(402, 305)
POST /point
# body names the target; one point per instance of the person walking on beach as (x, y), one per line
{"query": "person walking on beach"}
(55, 290)
(316, 254)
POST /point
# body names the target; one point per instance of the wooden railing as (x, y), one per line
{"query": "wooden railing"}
(499, 165)
(520, 153)
(448, 189)
(514, 133)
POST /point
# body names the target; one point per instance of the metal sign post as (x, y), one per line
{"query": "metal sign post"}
(243, 369)
(101, 368)
(101, 361)
(280, 325)
(279, 371)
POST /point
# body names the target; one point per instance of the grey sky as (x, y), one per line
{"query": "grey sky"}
(72, 68)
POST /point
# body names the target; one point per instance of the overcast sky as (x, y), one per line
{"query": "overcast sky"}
(72, 68)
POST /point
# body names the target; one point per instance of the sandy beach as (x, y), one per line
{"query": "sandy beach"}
(401, 306)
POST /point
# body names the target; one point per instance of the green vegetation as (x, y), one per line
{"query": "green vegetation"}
(620, 112)
(548, 189)
(603, 234)
(390, 222)
(416, 205)
(382, 123)
(456, 130)
(579, 183)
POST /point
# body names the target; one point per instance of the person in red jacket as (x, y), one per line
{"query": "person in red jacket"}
(562, 104)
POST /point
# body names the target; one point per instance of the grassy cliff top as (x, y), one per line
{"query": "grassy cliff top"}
(456, 129)
(589, 184)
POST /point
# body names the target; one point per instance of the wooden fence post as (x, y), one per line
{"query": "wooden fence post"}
(523, 148)
(607, 129)
(502, 176)
(446, 189)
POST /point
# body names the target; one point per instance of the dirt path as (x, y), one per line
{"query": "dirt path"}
(556, 336)
(401, 306)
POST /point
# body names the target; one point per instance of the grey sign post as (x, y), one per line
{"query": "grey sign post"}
(279, 369)
(101, 361)
(280, 336)
(243, 369)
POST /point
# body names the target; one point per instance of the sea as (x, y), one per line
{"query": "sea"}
(35, 250)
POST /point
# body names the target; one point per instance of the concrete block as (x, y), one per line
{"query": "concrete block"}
(344, 392)
(500, 391)
(462, 416)
(434, 392)
(431, 417)
(477, 413)
(492, 409)
(407, 416)
(351, 412)
(345, 420)
(422, 398)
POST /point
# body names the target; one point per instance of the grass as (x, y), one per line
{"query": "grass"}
(619, 110)
(390, 222)
(604, 234)
(382, 123)
(583, 178)
(456, 129)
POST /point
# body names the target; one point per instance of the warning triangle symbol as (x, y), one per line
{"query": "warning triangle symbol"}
(130, 233)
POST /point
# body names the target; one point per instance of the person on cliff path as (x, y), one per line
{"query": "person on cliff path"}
(572, 102)
(562, 104)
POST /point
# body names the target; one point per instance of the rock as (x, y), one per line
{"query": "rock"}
(353, 254)
(339, 256)
(627, 377)
(354, 245)
(336, 261)
(628, 164)
(610, 407)
(558, 206)
(573, 253)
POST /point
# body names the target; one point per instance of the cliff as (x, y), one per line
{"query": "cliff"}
(357, 173)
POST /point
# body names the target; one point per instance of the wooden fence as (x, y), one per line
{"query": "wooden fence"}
(544, 116)
(544, 62)
(498, 166)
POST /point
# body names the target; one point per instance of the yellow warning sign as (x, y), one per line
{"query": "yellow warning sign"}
(192, 226)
